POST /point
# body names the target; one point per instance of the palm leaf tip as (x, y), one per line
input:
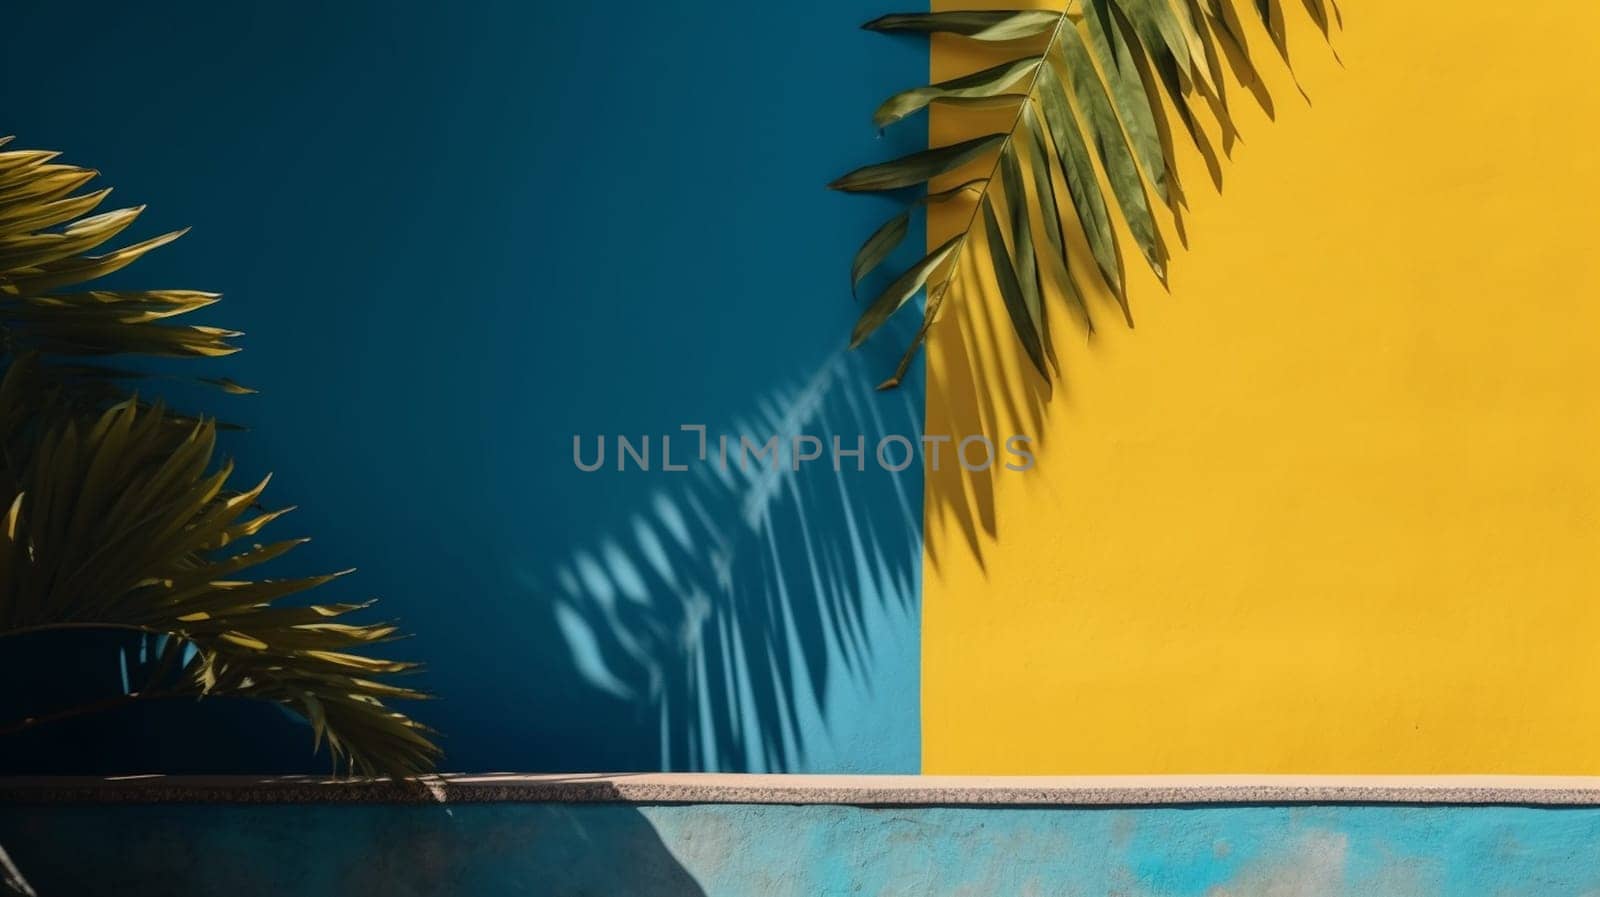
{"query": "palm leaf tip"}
(883, 241)
(986, 84)
(916, 168)
(898, 293)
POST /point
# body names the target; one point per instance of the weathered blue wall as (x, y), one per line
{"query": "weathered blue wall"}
(456, 235)
(605, 850)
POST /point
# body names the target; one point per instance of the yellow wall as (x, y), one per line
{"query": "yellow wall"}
(1334, 506)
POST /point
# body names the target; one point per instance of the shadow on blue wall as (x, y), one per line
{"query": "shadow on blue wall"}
(456, 236)
(392, 851)
(749, 608)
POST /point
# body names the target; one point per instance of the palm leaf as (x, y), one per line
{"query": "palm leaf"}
(1100, 120)
(986, 25)
(1085, 76)
(917, 168)
(1025, 261)
(1044, 189)
(1012, 294)
(1133, 104)
(116, 516)
(886, 238)
(898, 293)
(49, 236)
(120, 521)
(990, 82)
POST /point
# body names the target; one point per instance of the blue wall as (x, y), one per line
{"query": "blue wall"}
(490, 850)
(458, 234)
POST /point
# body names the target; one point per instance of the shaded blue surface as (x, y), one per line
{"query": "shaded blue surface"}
(458, 234)
(555, 850)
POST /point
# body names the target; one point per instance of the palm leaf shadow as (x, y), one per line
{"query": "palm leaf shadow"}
(730, 610)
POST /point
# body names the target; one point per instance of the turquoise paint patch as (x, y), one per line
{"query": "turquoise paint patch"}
(490, 850)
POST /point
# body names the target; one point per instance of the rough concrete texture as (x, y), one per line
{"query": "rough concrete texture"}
(703, 788)
(768, 850)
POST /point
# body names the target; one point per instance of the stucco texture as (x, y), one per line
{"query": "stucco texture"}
(1333, 506)
(732, 850)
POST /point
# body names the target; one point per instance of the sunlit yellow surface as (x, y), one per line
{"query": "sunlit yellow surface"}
(1334, 506)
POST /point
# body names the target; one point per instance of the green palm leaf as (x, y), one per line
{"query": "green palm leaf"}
(49, 237)
(1044, 190)
(990, 82)
(885, 239)
(1012, 293)
(120, 521)
(917, 168)
(1100, 120)
(1116, 61)
(1081, 78)
(900, 292)
(1025, 259)
(114, 515)
(986, 25)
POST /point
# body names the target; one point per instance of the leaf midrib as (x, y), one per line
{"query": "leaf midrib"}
(936, 301)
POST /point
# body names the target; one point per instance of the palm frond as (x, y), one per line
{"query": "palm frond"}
(121, 521)
(114, 515)
(1090, 86)
(49, 234)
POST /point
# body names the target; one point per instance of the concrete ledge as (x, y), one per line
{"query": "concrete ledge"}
(707, 788)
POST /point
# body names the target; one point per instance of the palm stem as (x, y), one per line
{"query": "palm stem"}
(101, 706)
(59, 627)
(936, 299)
